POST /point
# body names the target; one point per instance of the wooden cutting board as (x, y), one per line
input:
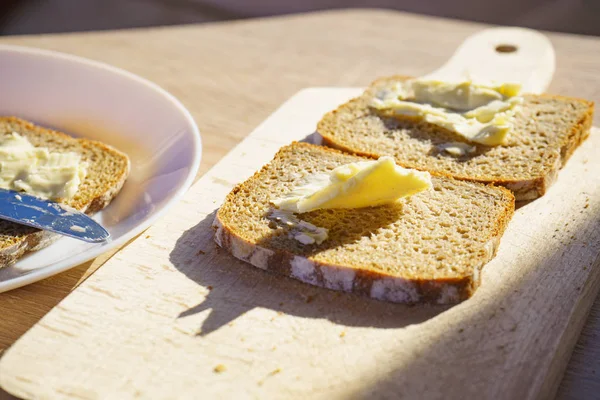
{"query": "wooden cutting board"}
(173, 316)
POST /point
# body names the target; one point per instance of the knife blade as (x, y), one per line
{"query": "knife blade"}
(50, 216)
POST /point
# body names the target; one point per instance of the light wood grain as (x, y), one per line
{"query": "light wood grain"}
(528, 58)
(181, 306)
(233, 75)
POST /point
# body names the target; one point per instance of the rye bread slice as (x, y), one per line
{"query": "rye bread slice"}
(108, 169)
(547, 131)
(429, 248)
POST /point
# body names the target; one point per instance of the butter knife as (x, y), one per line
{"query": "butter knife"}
(50, 216)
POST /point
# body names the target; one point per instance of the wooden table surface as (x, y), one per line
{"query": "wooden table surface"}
(234, 74)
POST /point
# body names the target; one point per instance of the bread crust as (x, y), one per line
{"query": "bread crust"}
(524, 190)
(39, 239)
(360, 281)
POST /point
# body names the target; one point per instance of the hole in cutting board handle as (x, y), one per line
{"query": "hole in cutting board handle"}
(506, 48)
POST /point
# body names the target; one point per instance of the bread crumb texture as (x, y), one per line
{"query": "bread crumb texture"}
(547, 130)
(428, 247)
(107, 171)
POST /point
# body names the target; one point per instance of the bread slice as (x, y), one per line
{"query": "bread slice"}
(107, 171)
(547, 131)
(429, 248)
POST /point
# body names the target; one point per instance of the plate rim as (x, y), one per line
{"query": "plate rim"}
(94, 252)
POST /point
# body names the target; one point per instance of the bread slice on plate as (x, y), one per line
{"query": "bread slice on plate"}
(427, 248)
(546, 132)
(107, 171)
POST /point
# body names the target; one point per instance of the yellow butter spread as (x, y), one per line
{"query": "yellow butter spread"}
(38, 171)
(457, 149)
(355, 185)
(301, 231)
(479, 113)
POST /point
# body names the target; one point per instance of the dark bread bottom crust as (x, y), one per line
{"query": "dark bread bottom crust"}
(33, 242)
(578, 134)
(362, 282)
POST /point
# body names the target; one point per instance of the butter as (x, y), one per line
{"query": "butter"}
(37, 171)
(457, 149)
(463, 96)
(302, 231)
(479, 113)
(355, 185)
(77, 228)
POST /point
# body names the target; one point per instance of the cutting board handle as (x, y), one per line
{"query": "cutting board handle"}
(503, 55)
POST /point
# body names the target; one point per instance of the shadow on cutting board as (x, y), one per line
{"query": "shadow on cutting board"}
(237, 287)
(512, 340)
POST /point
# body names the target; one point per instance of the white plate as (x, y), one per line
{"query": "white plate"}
(97, 101)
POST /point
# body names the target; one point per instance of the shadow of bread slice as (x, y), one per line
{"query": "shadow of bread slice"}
(546, 132)
(429, 248)
(106, 173)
